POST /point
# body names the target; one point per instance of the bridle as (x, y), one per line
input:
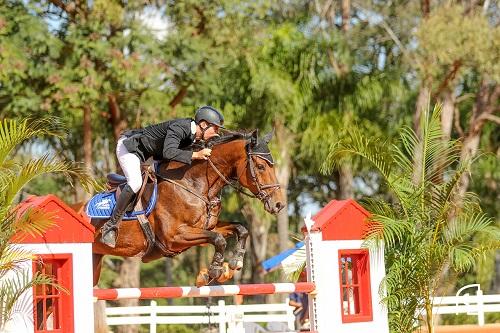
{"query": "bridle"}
(262, 194)
(262, 189)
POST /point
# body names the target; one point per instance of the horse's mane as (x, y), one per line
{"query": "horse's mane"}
(228, 136)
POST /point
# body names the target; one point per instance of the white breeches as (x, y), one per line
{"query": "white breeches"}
(131, 165)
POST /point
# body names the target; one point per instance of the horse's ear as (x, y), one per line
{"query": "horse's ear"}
(268, 137)
(254, 136)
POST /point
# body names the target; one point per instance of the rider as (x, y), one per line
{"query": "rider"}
(162, 141)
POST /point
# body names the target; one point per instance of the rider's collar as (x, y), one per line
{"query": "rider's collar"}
(193, 127)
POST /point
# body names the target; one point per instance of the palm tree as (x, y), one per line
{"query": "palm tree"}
(425, 231)
(14, 280)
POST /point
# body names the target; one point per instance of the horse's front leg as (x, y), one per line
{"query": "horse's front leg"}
(241, 233)
(190, 236)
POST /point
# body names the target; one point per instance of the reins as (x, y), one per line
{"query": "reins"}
(206, 201)
(229, 182)
(209, 203)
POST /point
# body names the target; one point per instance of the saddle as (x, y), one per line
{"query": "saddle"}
(102, 204)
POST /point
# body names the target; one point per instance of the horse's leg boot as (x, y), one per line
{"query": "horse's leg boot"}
(110, 228)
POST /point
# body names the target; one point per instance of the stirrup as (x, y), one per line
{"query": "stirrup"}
(109, 235)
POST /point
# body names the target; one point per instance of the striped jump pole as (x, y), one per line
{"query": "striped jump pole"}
(206, 291)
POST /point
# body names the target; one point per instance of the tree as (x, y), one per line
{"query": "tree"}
(460, 57)
(423, 228)
(14, 176)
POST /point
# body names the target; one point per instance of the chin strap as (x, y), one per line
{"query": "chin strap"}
(203, 130)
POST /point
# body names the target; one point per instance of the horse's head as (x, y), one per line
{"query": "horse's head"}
(259, 176)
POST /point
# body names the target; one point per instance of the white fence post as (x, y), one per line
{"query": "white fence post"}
(291, 316)
(480, 307)
(479, 299)
(152, 324)
(238, 315)
(235, 319)
(222, 316)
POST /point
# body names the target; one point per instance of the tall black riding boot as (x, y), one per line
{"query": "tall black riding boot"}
(110, 228)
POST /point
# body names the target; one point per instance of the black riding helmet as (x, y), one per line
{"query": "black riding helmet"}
(210, 114)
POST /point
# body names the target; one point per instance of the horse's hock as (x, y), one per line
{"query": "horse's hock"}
(343, 277)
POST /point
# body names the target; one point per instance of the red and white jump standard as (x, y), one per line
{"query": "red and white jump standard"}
(344, 276)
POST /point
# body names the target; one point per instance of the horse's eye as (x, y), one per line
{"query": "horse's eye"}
(261, 167)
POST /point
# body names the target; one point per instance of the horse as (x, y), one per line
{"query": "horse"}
(187, 210)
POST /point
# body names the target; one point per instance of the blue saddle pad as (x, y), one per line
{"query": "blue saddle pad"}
(102, 204)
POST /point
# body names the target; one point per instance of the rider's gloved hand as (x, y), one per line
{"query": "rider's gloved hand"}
(202, 154)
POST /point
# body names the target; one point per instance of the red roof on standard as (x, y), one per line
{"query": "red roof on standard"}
(341, 220)
(68, 227)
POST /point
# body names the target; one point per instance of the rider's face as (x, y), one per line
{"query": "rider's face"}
(210, 130)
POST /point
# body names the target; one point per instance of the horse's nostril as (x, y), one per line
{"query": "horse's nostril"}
(279, 205)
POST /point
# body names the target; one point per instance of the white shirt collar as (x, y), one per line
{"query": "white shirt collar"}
(193, 128)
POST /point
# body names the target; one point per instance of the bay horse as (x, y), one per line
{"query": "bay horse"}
(188, 205)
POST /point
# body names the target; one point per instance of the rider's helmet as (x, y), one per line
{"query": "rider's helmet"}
(210, 114)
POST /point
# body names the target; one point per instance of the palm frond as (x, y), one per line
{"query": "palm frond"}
(380, 207)
(14, 287)
(401, 158)
(445, 196)
(465, 226)
(424, 143)
(12, 258)
(390, 230)
(463, 257)
(293, 268)
(43, 165)
(33, 221)
(371, 149)
(14, 132)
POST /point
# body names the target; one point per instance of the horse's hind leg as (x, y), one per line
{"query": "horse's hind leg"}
(241, 233)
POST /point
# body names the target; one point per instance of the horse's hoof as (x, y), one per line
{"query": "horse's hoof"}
(215, 272)
(236, 264)
(202, 279)
(227, 273)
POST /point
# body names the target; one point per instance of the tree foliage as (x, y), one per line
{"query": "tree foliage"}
(423, 229)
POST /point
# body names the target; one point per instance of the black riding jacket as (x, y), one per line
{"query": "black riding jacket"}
(163, 141)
